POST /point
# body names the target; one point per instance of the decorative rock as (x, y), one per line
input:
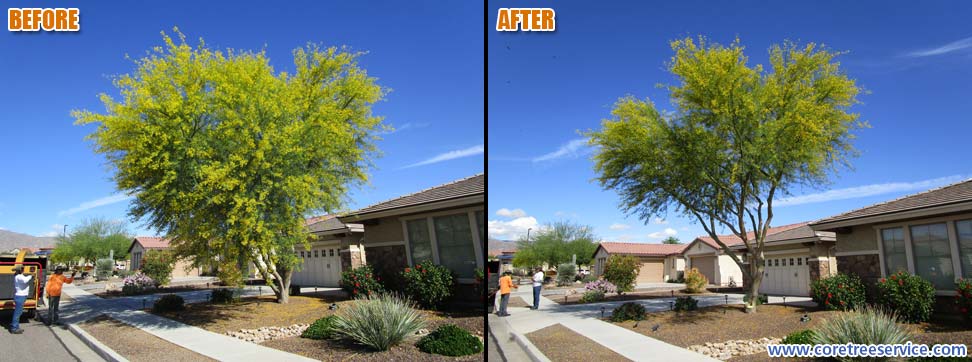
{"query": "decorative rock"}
(729, 349)
(264, 334)
(421, 332)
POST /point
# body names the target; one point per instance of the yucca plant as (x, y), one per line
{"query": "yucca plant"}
(379, 321)
(864, 325)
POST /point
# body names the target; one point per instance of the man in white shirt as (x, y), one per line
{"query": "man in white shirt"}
(21, 290)
(537, 284)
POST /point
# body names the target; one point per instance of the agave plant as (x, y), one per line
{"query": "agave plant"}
(379, 321)
(865, 325)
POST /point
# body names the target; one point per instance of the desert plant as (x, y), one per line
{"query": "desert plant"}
(963, 298)
(360, 282)
(103, 268)
(864, 325)
(838, 292)
(592, 296)
(799, 337)
(588, 278)
(125, 273)
(686, 304)
(909, 296)
(428, 284)
(158, 265)
(450, 340)
(566, 273)
(628, 311)
(168, 303)
(601, 285)
(136, 283)
(763, 299)
(321, 329)
(622, 271)
(695, 282)
(379, 321)
(223, 296)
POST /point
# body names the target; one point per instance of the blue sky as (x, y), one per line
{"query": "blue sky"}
(429, 53)
(914, 58)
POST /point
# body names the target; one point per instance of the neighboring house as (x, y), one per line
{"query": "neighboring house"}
(659, 262)
(142, 244)
(928, 234)
(505, 257)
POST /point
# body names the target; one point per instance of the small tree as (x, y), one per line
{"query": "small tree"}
(622, 271)
(103, 268)
(555, 244)
(671, 240)
(158, 265)
(566, 273)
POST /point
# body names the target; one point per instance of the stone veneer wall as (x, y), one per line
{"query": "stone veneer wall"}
(388, 263)
(350, 258)
(818, 268)
(867, 267)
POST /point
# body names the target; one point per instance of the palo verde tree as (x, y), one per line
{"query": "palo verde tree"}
(557, 243)
(739, 137)
(225, 155)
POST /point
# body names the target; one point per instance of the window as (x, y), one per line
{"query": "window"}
(964, 232)
(892, 240)
(453, 236)
(331, 253)
(315, 253)
(791, 262)
(933, 259)
(799, 261)
(419, 240)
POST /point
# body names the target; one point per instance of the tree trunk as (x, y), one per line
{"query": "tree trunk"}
(283, 285)
(755, 271)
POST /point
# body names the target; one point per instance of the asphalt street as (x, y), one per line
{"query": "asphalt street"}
(41, 343)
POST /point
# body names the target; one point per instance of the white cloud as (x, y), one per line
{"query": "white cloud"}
(407, 126)
(619, 226)
(663, 234)
(88, 205)
(569, 149)
(451, 155)
(512, 229)
(515, 213)
(867, 190)
(659, 221)
(944, 49)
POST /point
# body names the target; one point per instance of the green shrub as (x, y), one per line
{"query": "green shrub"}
(909, 296)
(230, 276)
(763, 299)
(103, 268)
(321, 329)
(695, 282)
(622, 271)
(360, 282)
(378, 321)
(294, 289)
(628, 311)
(428, 284)
(862, 326)
(124, 273)
(450, 340)
(592, 296)
(588, 278)
(799, 337)
(566, 273)
(686, 303)
(168, 303)
(223, 296)
(838, 292)
(963, 298)
(158, 264)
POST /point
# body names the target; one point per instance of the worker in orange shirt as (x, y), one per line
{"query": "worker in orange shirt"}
(505, 283)
(53, 291)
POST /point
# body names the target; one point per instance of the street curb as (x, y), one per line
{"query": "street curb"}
(525, 345)
(99, 348)
(531, 350)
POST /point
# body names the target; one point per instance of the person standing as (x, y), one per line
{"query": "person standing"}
(21, 290)
(505, 284)
(537, 284)
(53, 290)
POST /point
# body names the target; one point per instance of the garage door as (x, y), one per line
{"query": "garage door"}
(706, 266)
(786, 275)
(321, 266)
(651, 272)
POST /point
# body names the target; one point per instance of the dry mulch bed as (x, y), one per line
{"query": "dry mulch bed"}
(614, 297)
(135, 344)
(560, 343)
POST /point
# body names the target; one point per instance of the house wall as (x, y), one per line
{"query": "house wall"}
(861, 238)
(674, 267)
(728, 271)
(135, 256)
(600, 260)
(387, 262)
(388, 229)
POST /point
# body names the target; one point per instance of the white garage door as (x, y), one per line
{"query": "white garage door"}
(786, 275)
(321, 267)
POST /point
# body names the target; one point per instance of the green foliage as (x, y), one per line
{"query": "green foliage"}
(588, 278)
(379, 321)
(671, 240)
(685, 304)
(360, 282)
(124, 273)
(225, 154)
(158, 265)
(963, 298)
(909, 296)
(230, 276)
(168, 303)
(223, 296)
(861, 326)
(103, 268)
(321, 329)
(428, 284)
(555, 244)
(799, 337)
(762, 299)
(628, 311)
(838, 292)
(622, 271)
(695, 281)
(450, 340)
(592, 296)
(93, 239)
(739, 136)
(566, 273)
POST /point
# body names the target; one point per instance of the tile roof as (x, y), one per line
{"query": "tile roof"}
(949, 194)
(773, 234)
(642, 249)
(151, 242)
(473, 185)
(324, 223)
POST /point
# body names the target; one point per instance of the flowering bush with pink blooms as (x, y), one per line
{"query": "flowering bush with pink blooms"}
(602, 286)
(963, 298)
(137, 283)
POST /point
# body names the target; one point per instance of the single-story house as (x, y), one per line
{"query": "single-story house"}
(330, 244)
(659, 262)
(928, 234)
(505, 257)
(141, 244)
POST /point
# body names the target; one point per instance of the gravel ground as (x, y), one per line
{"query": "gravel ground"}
(135, 344)
(560, 343)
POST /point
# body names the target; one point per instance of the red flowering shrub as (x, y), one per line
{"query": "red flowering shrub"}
(911, 297)
(428, 284)
(361, 281)
(963, 298)
(838, 292)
